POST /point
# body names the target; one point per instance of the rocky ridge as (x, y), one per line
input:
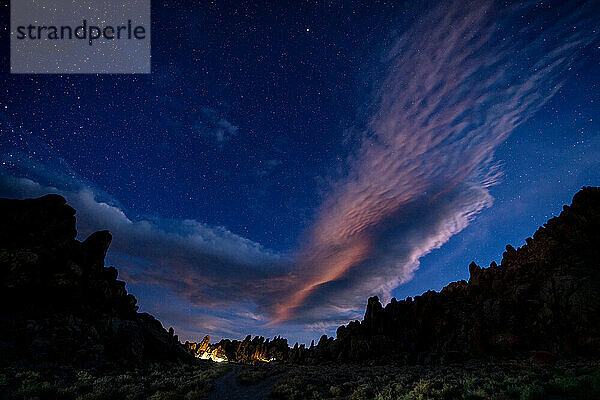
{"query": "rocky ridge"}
(543, 300)
(59, 303)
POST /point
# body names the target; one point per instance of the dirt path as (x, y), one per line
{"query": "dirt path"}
(228, 388)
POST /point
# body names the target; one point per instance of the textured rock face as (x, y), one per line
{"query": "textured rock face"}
(543, 299)
(59, 303)
(246, 351)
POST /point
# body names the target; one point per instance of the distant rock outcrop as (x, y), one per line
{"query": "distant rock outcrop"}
(543, 300)
(59, 303)
(246, 351)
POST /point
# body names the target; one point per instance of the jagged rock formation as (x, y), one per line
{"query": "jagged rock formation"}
(58, 301)
(246, 351)
(205, 351)
(542, 300)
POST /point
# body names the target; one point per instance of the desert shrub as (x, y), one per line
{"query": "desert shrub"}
(84, 378)
(132, 391)
(3, 380)
(532, 391)
(33, 385)
(335, 391)
(316, 395)
(286, 390)
(582, 386)
(565, 383)
(87, 384)
(165, 396)
(420, 391)
(362, 392)
(390, 392)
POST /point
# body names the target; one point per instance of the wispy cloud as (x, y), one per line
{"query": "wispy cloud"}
(205, 279)
(456, 87)
(454, 90)
(212, 125)
(181, 114)
(209, 265)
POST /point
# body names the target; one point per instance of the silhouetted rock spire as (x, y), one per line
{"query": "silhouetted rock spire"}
(543, 298)
(59, 303)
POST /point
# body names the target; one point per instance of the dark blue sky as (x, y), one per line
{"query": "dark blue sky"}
(282, 162)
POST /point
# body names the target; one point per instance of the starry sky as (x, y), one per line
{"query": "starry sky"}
(284, 161)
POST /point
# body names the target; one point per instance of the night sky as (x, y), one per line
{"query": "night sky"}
(285, 161)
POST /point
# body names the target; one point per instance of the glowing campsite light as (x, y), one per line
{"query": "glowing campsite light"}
(208, 356)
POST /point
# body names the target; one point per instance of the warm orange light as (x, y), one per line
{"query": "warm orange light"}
(338, 262)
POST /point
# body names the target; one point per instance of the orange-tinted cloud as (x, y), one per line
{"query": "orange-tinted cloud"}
(456, 84)
(454, 90)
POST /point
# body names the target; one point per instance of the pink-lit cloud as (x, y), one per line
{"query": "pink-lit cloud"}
(454, 91)
(456, 84)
